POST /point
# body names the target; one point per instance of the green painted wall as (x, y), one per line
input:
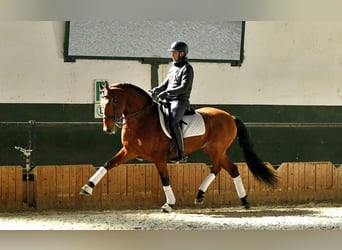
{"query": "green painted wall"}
(86, 143)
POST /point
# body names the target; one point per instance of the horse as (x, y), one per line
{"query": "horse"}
(132, 109)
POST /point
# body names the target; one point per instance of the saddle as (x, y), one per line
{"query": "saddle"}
(192, 123)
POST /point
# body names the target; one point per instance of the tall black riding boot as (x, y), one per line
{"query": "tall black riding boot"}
(180, 143)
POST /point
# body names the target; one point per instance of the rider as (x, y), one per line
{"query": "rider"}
(176, 89)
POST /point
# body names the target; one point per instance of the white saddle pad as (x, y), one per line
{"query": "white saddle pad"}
(194, 125)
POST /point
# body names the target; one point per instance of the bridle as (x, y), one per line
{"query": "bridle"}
(119, 121)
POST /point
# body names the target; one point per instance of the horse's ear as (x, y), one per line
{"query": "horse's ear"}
(104, 86)
(107, 84)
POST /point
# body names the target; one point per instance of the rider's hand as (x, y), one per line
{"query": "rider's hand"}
(154, 94)
(163, 95)
(153, 91)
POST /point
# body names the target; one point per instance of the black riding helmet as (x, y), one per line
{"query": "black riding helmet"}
(179, 46)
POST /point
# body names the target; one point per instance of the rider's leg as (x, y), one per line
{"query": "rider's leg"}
(177, 109)
(178, 135)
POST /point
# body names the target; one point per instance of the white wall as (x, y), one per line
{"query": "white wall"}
(285, 63)
(32, 67)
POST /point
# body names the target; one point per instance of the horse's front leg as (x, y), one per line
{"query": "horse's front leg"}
(121, 157)
(165, 179)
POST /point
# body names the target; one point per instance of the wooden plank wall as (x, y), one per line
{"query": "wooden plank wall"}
(11, 188)
(138, 186)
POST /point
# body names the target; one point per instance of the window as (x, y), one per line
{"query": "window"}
(149, 40)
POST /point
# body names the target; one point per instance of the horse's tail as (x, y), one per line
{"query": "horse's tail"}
(255, 164)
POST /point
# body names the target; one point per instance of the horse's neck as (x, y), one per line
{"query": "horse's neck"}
(136, 105)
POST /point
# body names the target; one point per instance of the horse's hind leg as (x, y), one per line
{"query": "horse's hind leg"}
(233, 171)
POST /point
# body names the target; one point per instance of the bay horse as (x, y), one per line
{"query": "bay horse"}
(131, 108)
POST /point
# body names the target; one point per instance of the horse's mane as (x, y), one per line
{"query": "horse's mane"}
(138, 89)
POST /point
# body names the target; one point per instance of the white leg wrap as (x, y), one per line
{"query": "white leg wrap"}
(207, 181)
(98, 175)
(170, 197)
(239, 187)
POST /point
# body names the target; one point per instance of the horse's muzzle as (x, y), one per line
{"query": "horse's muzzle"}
(110, 131)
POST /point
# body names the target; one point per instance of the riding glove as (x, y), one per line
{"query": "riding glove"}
(163, 95)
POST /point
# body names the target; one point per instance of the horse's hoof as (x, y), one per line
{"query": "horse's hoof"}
(199, 201)
(86, 190)
(247, 206)
(166, 208)
(245, 203)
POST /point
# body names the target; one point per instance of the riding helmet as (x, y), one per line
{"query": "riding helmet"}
(179, 46)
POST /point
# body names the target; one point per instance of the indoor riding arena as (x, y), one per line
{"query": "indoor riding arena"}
(282, 78)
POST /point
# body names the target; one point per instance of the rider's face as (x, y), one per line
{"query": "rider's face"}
(176, 55)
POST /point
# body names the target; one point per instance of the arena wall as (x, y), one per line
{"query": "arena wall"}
(133, 186)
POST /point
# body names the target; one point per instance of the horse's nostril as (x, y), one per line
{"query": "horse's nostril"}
(109, 131)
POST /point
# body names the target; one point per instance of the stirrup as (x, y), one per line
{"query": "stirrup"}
(178, 159)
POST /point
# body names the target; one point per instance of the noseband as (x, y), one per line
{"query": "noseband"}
(118, 121)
